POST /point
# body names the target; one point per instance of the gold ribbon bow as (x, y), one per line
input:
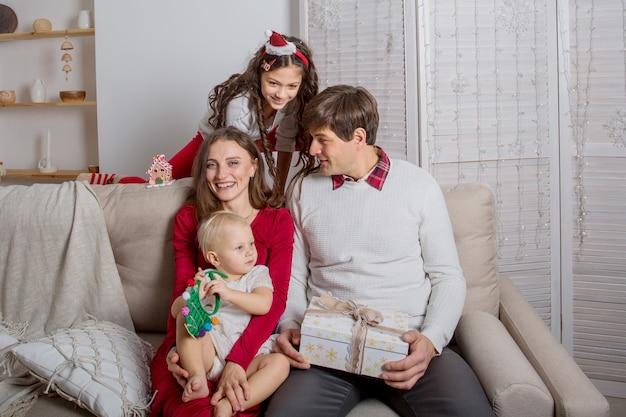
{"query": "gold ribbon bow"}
(364, 317)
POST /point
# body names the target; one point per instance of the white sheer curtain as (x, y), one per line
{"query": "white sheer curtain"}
(530, 97)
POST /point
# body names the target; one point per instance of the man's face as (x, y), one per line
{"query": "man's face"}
(335, 156)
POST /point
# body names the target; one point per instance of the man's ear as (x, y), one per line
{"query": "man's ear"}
(213, 258)
(359, 136)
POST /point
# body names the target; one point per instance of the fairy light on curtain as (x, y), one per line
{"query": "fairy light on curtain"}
(432, 86)
(459, 85)
(581, 121)
(481, 166)
(513, 15)
(499, 146)
(542, 183)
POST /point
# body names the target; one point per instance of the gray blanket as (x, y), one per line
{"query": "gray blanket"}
(56, 270)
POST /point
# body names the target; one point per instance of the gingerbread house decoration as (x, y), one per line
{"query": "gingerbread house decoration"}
(160, 171)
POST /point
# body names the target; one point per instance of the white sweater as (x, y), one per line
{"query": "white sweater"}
(391, 249)
(239, 114)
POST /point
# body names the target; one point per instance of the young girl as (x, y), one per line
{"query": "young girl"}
(265, 101)
(226, 241)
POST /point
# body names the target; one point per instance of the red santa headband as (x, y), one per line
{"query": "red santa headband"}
(278, 46)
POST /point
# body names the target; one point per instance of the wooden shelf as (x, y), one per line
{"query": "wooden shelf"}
(20, 36)
(51, 104)
(71, 33)
(34, 173)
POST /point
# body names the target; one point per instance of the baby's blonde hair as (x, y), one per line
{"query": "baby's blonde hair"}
(210, 229)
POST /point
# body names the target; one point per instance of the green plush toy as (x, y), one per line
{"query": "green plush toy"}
(198, 321)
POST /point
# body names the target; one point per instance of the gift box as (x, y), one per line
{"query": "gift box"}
(351, 337)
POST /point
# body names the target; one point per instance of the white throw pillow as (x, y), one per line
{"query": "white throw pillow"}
(7, 341)
(99, 365)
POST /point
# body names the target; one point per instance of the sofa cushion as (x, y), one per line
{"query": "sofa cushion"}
(140, 220)
(98, 365)
(472, 213)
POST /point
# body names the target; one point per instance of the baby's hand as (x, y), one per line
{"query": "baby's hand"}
(199, 275)
(217, 287)
(202, 289)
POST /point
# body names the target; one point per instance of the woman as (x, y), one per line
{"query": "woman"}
(227, 176)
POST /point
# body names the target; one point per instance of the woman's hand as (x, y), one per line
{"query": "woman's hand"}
(233, 384)
(403, 374)
(177, 371)
(285, 343)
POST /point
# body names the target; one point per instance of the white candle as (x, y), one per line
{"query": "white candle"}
(48, 163)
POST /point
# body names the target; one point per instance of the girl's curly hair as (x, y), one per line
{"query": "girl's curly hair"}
(249, 83)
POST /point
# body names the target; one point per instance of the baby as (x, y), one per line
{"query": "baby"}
(227, 243)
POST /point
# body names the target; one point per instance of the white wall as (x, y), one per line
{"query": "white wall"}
(23, 129)
(150, 68)
(156, 62)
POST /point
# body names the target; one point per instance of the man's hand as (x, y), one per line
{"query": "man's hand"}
(403, 374)
(285, 344)
(179, 373)
(233, 384)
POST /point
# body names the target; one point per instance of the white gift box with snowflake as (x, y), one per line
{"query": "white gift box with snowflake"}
(351, 337)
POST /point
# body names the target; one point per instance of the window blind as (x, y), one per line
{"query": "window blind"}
(363, 43)
(596, 280)
(489, 114)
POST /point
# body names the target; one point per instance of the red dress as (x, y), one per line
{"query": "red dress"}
(273, 233)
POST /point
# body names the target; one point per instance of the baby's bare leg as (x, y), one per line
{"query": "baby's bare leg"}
(265, 374)
(196, 356)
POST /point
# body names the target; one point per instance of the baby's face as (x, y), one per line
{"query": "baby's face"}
(236, 250)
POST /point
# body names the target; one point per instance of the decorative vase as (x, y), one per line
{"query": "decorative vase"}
(38, 91)
(84, 19)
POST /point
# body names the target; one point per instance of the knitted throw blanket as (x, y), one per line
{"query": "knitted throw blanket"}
(56, 270)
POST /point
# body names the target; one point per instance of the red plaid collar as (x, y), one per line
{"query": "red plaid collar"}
(376, 177)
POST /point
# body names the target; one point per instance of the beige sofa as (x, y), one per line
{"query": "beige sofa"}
(524, 370)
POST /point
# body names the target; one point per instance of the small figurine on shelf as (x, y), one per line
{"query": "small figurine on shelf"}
(160, 172)
(3, 171)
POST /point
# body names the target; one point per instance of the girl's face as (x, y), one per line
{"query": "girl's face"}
(228, 171)
(280, 86)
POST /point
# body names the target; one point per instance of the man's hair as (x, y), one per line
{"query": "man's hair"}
(342, 109)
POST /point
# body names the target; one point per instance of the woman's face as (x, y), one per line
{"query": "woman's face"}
(280, 86)
(228, 171)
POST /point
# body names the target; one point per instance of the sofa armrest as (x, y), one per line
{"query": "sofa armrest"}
(574, 394)
(508, 379)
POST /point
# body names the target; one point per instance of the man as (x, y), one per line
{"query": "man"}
(375, 231)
